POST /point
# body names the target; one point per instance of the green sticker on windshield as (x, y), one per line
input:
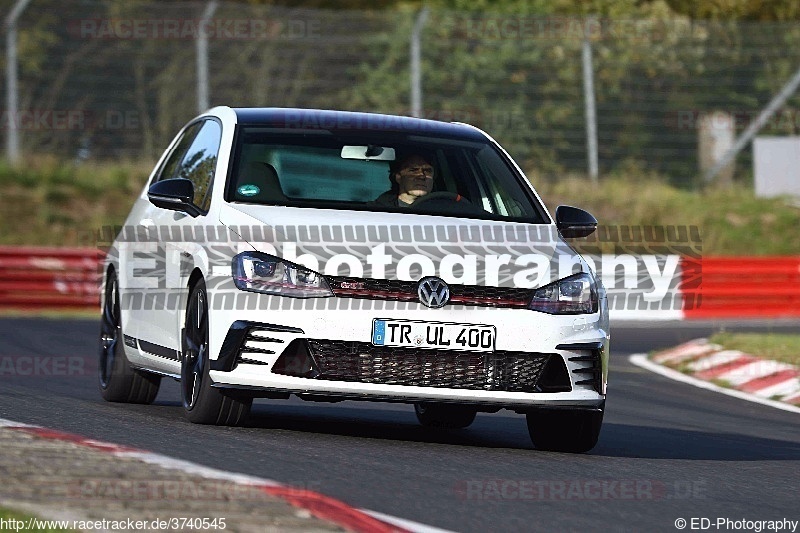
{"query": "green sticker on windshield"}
(248, 190)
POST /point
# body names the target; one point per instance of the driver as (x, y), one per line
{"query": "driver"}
(411, 177)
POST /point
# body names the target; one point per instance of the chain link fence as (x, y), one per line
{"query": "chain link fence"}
(110, 82)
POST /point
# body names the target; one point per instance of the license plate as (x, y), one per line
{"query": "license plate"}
(433, 335)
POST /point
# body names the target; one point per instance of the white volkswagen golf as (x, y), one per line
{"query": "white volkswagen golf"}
(354, 256)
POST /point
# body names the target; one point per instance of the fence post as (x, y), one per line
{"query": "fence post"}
(12, 134)
(747, 135)
(202, 58)
(416, 67)
(589, 103)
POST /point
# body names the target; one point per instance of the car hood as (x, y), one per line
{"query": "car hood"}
(380, 245)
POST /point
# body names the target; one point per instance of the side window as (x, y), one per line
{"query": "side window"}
(173, 161)
(200, 161)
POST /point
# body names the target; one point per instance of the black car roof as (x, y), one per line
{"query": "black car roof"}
(318, 119)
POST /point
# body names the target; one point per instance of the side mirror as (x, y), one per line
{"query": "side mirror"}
(573, 222)
(175, 194)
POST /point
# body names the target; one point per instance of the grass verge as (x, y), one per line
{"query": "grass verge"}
(8, 515)
(731, 221)
(50, 202)
(777, 346)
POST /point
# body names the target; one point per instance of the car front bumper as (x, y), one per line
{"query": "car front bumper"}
(250, 343)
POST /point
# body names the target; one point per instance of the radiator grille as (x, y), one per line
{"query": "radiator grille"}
(378, 289)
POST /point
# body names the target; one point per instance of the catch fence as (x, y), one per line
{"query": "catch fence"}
(113, 80)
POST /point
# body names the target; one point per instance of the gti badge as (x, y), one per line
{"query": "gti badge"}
(433, 292)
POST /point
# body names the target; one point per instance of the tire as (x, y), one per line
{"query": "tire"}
(118, 381)
(572, 431)
(202, 403)
(446, 416)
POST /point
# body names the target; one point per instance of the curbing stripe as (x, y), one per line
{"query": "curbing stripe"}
(332, 510)
(718, 371)
(319, 505)
(784, 389)
(642, 361)
(719, 358)
(758, 370)
(794, 398)
(688, 351)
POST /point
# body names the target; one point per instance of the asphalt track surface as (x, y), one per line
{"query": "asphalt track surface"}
(667, 450)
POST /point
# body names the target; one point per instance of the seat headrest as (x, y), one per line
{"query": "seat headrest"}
(263, 181)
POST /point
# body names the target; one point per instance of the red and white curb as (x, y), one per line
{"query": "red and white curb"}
(319, 505)
(750, 378)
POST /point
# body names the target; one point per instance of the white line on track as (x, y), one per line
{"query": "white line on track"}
(642, 361)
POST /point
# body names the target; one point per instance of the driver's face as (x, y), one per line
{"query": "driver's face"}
(415, 177)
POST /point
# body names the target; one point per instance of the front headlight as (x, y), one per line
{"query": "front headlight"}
(574, 295)
(257, 272)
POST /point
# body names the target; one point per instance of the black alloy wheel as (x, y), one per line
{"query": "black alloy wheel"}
(118, 381)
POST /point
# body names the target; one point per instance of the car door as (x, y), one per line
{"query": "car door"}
(172, 244)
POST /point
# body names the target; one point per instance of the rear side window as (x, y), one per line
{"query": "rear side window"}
(172, 164)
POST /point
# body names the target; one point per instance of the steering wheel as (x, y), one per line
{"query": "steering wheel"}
(440, 196)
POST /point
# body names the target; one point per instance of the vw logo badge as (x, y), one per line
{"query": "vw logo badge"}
(433, 292)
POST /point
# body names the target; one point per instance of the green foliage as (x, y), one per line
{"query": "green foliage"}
(511, 67)
(515, 71)
(756, 10)
(760, 10)
(8, 514)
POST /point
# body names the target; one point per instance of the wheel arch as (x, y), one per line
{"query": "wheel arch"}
(194, 277)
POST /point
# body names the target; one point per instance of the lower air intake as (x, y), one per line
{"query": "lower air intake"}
(364, 363)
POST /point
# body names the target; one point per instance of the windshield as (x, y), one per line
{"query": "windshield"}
(379, 171)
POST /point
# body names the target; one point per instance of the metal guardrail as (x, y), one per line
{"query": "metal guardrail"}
(712, 287)
(49, 278)
(745, 287)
